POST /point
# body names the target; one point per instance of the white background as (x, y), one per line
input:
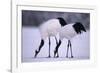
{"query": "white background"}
(5, 35)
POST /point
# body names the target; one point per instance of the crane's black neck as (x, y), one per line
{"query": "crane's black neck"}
(62, 21)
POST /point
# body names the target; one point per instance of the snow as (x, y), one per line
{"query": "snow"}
(31, 40)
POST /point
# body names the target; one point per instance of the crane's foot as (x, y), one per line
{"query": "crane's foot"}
(57, 56)
(72, 56)
(49, 56)
(66, 56)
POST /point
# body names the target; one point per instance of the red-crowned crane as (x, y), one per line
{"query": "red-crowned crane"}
(47, 29)
(69, 31)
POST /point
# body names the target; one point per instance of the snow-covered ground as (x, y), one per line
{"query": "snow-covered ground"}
(31, 40)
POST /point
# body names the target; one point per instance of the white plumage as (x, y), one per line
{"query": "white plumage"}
(67, 31)
(49, 28)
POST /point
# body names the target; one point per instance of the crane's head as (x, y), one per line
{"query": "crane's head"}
(79, 28)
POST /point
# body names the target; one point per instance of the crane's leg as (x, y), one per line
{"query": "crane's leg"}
(56, 41)
(41, 45)
(56, 44)
(67, 49)
(71, 49)
(56, 49)
(49, 47)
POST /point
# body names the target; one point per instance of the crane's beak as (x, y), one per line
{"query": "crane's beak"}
(84, 29)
